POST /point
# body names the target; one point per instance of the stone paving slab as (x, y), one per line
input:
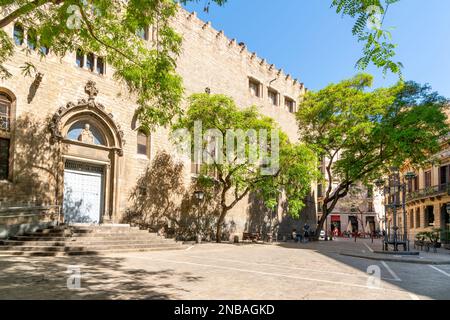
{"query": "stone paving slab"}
(283, 271)
(399, 258)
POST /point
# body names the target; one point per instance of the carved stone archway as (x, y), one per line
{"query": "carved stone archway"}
(83, 152)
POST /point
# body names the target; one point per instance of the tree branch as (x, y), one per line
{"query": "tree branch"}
(25, 9)
(90, 29)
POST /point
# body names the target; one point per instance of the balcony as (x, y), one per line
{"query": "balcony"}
(439, 190)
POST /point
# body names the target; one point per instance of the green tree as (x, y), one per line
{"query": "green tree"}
(108, 28)
(233, 172)
(378, 46)
(361, 134)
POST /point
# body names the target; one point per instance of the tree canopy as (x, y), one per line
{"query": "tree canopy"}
(368, 28)
(362, 133)
(235, 170)
(108, 28)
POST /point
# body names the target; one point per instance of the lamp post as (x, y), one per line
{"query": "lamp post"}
(394, 188)
(199, 195)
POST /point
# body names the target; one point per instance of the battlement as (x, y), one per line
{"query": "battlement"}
(205, 30)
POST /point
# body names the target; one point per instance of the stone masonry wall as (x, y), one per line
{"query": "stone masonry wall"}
(208, 60)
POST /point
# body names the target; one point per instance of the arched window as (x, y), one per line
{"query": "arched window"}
(86, 132)
(5, 127)
(5, 112)
(143, 143)
(80, 58)
(18, 34)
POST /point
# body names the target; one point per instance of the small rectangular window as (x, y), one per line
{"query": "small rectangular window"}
(195, 168)
(142, 144)
(100, 65)
(44, 50)
(428, 179)
(416, 183)
(290, 104)
(90, 61)
(143, 33)
(273, 97)
(32, 39)
(5, 109)
(4, 159)
(80, 58)
(255, 88)
(18, 34)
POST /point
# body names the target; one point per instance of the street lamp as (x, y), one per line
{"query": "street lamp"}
(199, 195)
(394, 188)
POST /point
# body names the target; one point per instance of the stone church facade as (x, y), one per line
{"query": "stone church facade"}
(69, 136)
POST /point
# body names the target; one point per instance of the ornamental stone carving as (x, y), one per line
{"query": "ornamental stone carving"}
(87, 106)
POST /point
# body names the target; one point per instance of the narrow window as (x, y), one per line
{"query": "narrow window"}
(444, 177)
(90, 61)
(416, 183)
(44, 50)
(18, 34)
(429, 216)
(195, 168)
(4, 159)
(31, 39)
(417, 224)
(273, 97)
(80, 58)
(100, 65)
(319, 190)
(254, 87)
(5, 111)
(142, 143)
(370, 192)
(428, 179)
(290, 104)
(143, 33)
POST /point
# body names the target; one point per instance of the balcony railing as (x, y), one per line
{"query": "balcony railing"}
(433, 191)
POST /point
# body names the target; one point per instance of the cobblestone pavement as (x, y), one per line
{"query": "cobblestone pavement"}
(211, 271)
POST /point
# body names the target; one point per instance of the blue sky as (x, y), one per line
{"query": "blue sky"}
(307, 39)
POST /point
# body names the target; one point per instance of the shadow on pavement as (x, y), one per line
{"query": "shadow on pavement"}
(418, 279)
(101, 278)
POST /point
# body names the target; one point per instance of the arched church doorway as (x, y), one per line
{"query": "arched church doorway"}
(91, 144)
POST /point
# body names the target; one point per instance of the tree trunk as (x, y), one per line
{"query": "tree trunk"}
(219, 225)
(320, 224)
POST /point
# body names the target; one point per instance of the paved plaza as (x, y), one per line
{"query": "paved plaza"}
(225, 271)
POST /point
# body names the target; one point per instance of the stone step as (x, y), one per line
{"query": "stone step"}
(83, 242)
(81, 253)
(87, 238)
(79, 248)
(76, 240)
(84, 232)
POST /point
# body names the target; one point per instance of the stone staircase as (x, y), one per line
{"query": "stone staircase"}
(85, 240)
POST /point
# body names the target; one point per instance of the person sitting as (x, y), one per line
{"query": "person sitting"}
(294, 234)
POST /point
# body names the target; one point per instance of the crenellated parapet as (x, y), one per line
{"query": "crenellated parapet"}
(191, 20)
